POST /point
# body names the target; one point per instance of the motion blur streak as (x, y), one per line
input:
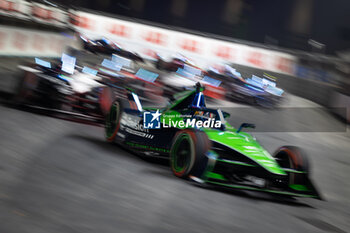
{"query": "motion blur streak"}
(75, 73)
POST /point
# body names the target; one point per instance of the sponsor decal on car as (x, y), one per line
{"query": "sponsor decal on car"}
(192, 123)
(151, 120)
(197, 120)
(132, 126)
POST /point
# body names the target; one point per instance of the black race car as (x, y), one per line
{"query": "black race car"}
(78, 92)
(64, 87)
(178, 61)
(108, 47)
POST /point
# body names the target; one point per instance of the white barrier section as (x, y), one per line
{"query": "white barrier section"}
(28, 10)
(22, 42)
(148, 40)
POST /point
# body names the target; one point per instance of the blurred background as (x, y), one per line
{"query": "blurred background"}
(284, 65)
(302, 39)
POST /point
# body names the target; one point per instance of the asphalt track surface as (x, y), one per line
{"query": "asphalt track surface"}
(61, 176)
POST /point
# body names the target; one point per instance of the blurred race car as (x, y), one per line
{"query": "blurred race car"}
(108, 47)
(255, 90)
(187, 77)
(143, 81)
(203, 147)
(65, 87)
(176, 62)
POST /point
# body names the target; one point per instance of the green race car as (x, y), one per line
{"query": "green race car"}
(203, 147)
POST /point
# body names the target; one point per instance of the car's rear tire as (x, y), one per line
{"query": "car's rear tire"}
(188, 153)
(112, 123)
(105, 100)
(25, 90)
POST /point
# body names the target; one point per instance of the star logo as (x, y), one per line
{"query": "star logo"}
(155, 115)
(151, 120)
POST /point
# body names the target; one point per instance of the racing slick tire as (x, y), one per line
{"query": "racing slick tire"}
(105, 100)
(25, 88)
(112, 122)
(293, 157)
(188, 153)
(112, 119)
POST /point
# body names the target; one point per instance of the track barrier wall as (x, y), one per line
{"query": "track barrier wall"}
(204, 51)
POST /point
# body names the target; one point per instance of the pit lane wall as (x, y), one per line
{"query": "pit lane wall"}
(146, 40)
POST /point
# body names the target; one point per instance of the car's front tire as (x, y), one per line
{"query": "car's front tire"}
(292, 157)
(188, 153)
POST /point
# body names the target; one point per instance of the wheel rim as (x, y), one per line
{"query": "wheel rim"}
(286, 162)
(181, 155)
